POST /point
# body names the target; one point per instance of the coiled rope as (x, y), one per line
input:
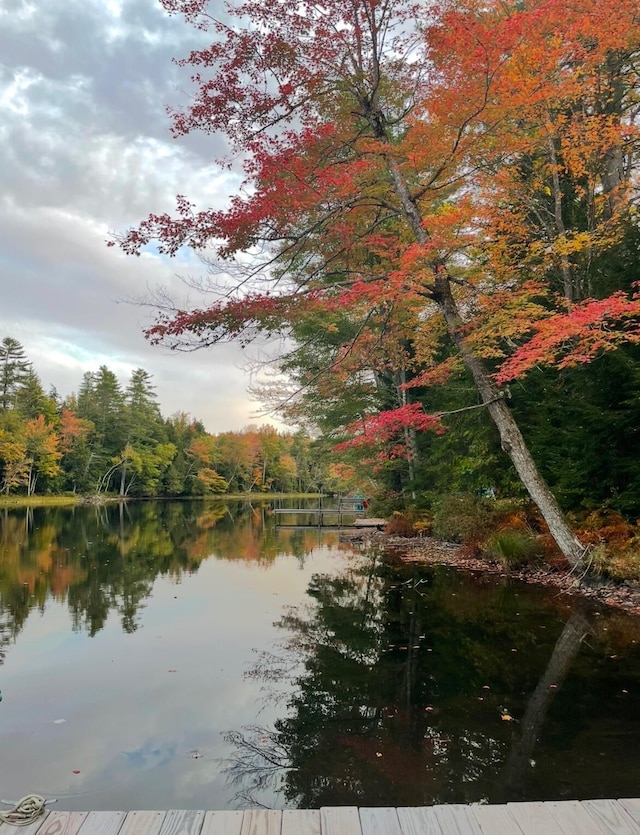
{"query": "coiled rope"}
(25, 811)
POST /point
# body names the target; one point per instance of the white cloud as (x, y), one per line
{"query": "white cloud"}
(86, 152)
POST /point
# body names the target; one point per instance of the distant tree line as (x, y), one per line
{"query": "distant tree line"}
(110, 439)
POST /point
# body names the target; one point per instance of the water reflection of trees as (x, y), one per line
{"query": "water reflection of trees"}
(524, 741)
(103, 559)
(408, 687)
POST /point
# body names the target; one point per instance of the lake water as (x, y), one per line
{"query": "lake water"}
(191, 655)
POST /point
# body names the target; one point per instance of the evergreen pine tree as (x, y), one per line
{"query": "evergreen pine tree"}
(14, 371)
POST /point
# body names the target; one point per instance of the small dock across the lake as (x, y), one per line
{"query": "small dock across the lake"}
(344, 515)
(569, 817)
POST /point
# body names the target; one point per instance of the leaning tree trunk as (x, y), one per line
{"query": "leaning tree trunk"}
(564, 653)
(510, 436)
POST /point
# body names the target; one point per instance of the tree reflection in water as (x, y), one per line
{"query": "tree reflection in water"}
(106, 558)
(409, 684)
(520, 760)
(393, 680)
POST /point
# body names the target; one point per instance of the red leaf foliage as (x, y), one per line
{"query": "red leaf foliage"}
(568, 339)
(384, 427)
(232, 319)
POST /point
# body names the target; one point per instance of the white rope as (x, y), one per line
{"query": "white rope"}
(25, 811)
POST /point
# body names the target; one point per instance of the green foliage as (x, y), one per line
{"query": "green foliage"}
(384, 503)
(109, 440)
(30, 399)
(513, 547)
(15, 369)
(582, 426)
(209, 481)
(462, 517)
(617, 564)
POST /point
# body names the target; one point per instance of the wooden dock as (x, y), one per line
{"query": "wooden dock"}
(570, 817)
(328, 517)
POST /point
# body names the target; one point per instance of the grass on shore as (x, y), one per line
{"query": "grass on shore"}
(38, 501)
(72, 499)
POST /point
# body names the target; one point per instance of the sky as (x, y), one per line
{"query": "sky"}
(86, 151)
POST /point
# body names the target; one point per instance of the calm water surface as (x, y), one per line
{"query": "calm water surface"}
(191, 655)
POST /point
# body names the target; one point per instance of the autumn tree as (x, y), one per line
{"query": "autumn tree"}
(13, 461)
(205, 456)
(238, 457)
(73, 433)
(29, 454)
(42, 453)
(376, 138)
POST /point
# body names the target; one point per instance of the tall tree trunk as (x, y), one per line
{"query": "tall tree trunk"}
(511, 438)
(410, 441)
(568, 284)
(616, 171)
(123, 476)
(31, 481)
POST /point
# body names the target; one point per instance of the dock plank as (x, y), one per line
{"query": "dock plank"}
(340, 820)
(182, 822)
(632, 806)
(301, 822)
(534, 818)
(30, 829)
(611, 817)
(419, 820)
(567, 817)
(222, 823)
(103, 823)
(381, 820)
(62, 823)
(496, 820)
(457, 819)
(142, 822)
(261, 822)
(573, 818)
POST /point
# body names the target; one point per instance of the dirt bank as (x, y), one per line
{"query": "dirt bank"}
(625, 596)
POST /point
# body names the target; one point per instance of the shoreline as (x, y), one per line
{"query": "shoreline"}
(425, 550)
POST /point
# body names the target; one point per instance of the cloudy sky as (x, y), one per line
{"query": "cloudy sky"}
(86, 151)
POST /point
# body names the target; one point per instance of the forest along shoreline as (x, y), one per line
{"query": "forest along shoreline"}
(622, 595)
